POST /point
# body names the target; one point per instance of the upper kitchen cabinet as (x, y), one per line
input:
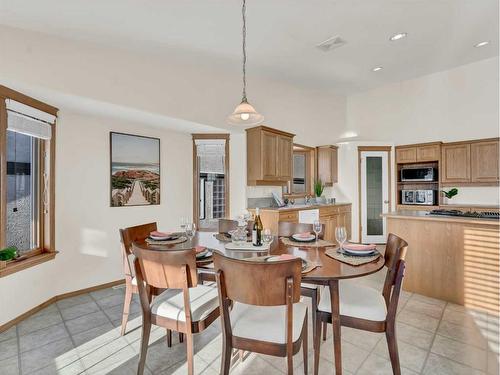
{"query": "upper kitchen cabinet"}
(418, 153)
(269, 156)
(484, 161)
(470, 163)
(327, 168)
(455, 166)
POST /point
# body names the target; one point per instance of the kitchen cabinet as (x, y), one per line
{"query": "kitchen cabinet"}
(406, 154)
(418, 153)
(269, 156)
(484, 161)
(327, 164)
(455, 163)
(330, 216)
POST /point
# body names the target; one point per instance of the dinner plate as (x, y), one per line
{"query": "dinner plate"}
(277, 258)
(204, 254)
(358, 252)
(296, 237)
(165, 238)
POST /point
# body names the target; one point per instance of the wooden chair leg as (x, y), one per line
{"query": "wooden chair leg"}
(227, 351)
(181, 337)
(392, 344)
(324, 330)
(305, 339)
(316, 345)
(126, 308)
(190, 352)
(169, 338)
(314, 305)
(146, 330)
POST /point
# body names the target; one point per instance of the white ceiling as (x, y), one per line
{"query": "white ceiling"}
(282, 34)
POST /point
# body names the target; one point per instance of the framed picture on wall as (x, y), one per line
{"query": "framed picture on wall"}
(135, 170)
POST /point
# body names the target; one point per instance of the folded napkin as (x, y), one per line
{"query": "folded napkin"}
(287, 256)
(199, 249)
(359, 247)
(155, 233)
(303, 235)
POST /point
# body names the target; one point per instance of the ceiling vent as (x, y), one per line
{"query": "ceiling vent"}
(331, 43)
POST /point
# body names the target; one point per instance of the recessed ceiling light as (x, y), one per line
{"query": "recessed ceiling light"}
(377, 68)
(398, 36)
(482, 44)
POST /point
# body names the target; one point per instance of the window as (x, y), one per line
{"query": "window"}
(303, 172)
(27, 152)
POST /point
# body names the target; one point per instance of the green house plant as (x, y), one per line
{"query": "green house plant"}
(318, 190)
(450, 193)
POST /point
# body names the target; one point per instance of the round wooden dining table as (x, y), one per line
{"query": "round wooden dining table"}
(328, 271)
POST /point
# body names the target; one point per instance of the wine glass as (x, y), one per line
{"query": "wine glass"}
(190, 229)
(317, 228)
(183, 223)
(267, 236)
(340, 236)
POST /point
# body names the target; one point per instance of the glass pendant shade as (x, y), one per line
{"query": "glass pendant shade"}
(245, 114)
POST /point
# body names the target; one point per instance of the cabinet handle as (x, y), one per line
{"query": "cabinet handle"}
(386, 202)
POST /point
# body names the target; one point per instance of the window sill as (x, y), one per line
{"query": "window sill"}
(13, 267)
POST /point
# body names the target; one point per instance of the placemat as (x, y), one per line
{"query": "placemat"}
(288, 242)
(247, 246)
(309, 266)
(181, 239)
(349, 259)
(222, 237)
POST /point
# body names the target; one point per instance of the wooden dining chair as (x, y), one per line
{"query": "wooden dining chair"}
(287, 229)
(129, 235)
(267, 316)
(185, 306)
(367, 309)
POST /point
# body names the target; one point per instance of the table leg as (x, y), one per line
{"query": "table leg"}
(334, 298)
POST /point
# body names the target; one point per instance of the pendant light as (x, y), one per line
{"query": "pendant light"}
(245, 113)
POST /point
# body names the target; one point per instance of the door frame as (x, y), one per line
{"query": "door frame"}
(196, 198)
(361, 149)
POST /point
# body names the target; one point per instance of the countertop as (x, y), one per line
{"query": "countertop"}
(422, 215)
(297, 207)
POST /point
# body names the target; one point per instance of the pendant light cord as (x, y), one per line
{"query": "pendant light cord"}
(244, 32)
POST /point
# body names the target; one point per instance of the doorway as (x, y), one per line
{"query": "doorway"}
(210, 180)
(374, 192)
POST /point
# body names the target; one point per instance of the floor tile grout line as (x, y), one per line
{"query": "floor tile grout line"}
(19, 351)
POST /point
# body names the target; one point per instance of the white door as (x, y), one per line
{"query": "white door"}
(374, 195)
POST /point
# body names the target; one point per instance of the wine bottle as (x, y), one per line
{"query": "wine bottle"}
(257, 229)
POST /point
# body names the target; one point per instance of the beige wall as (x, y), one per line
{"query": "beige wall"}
(86, 226)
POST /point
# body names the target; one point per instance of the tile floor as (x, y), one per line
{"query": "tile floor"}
(80, 335)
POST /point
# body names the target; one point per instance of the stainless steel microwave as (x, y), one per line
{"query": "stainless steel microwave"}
(421, 197)
(418, 174)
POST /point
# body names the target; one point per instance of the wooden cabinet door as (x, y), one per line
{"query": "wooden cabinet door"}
(327, 165)
(406, 155)
(484, 161)
(455, 160)
(285, 158)
(428, 153)
(269, 155)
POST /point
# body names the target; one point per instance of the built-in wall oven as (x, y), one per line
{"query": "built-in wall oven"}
(420, 197)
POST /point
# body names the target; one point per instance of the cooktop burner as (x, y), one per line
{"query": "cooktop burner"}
(479, 215)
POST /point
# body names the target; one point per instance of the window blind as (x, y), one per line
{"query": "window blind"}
(24, 119)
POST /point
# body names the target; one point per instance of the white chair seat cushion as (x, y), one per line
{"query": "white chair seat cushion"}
(357, 301)
(170, 303)
(266, 323)
(308, 286)
(134, 281)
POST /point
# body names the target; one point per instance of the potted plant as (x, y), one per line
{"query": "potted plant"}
(318, 190)
(6, 255)
(449, 194)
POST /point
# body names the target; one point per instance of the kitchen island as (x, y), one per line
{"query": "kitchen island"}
(331, 215)
(455, 259)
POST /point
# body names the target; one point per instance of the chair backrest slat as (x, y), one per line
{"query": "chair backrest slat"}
(286, 229)
(259, 283)
(129, 235)
(395, 251)
(165, 269)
